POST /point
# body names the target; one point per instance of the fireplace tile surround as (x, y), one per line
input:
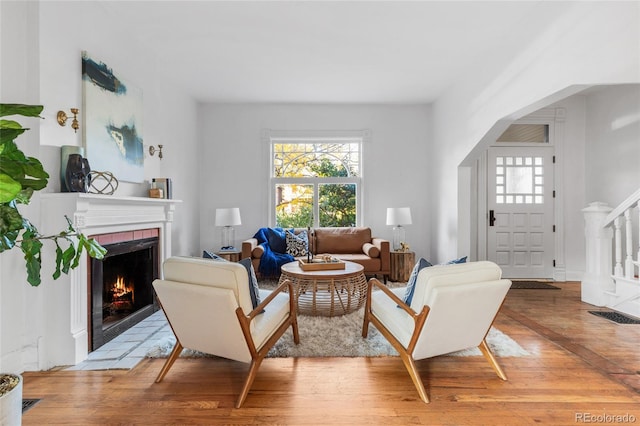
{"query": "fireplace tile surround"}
(111, 219)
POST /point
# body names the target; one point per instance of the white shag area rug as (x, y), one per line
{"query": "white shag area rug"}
(342, 337)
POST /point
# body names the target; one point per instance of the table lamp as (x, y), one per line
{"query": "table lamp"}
(227, 218)
(396, 217)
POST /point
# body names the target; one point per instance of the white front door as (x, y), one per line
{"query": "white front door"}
(520, 204)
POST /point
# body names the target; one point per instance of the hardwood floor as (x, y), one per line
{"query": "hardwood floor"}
(581, 366)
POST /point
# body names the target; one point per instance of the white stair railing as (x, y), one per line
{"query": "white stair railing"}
(621, 220)
(610, 248)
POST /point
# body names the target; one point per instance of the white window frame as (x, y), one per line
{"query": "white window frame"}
(271, 137)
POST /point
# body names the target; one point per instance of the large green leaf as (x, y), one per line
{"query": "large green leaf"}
(9, 188)
(67, 257)
(27, 171)
(94, 249)
(8, 240)
(9, 129)
(9, 135)
(32, 248)
(10, 219)
(10, 124)
(56, 273)
(20, 109)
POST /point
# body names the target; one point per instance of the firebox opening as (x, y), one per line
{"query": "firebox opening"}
(125, 285)
(122, 291)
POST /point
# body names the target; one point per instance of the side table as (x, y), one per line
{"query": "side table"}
(402, 263)
(230, 255)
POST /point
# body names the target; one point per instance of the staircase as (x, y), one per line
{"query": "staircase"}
(611, 276)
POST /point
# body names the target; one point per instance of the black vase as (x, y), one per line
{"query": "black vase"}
(77, 174)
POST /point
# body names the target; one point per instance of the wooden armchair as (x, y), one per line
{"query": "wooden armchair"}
(208, 305)
(452, 309)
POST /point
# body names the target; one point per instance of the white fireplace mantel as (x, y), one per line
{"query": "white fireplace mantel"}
(65, 341)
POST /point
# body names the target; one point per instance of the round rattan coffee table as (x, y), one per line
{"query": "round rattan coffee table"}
(329, 292)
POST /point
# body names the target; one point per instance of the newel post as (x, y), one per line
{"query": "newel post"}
(597, 277)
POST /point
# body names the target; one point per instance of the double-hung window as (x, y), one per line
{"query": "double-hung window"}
(315, 180)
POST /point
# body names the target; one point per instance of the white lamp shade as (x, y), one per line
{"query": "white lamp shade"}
(398, 216)
(228, 217)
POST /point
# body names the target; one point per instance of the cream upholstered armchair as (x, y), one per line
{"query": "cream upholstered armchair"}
(452, 309)
(210, 309)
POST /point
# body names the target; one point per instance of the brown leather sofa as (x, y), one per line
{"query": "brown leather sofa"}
(353, 244)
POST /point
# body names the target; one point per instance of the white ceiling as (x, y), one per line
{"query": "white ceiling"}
(326, 51)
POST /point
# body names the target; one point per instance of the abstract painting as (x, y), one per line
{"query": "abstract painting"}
(112, 122)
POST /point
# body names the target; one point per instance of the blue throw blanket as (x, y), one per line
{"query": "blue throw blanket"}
(271, 260)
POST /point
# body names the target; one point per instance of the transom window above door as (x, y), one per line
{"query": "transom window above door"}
(315, 181)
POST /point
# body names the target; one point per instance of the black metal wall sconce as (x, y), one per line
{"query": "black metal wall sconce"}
(62, 119)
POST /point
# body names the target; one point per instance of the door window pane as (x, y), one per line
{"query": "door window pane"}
(519, 179)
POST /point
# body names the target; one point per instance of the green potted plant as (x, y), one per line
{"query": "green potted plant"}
(20, 177)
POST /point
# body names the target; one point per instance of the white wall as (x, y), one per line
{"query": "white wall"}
(41, 63)
(613, 140)
(593, 43)
(235, 162)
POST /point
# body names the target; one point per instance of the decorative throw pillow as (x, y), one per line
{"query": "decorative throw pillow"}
(276, 239)
(210, 255)
(370, 250)
(254, 290)
(297, 245)
(459, 260)
(411, 284)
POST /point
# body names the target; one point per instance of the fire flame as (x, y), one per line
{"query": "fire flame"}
(120, 289)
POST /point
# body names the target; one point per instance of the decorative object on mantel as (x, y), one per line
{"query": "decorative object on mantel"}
(113, 112)
(77, 175)
(156, 193)
(65, 151)
(152, 151)
(164, 185)
(102, 183)
(228, 218)
(396, 217)
(62, 118)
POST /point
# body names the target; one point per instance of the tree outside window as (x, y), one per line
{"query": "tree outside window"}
(316, 183)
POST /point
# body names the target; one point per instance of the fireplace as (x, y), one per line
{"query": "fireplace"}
(121, 291)
(115, 222)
